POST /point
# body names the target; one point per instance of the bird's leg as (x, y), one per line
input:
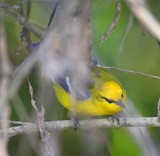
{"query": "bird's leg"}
(115, 119)
(75, 123)
(74, 120)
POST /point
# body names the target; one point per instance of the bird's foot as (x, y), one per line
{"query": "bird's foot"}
(115, 119)
(75, 123)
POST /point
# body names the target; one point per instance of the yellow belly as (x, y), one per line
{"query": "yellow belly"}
(89, 106)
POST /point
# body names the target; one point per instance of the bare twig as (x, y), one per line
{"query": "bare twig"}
(35, 30)
(5, 67)
(158, 108)
(52, 14)
(85, 124)
(14, 122)
(114, 22)
(130, 23)
(40, 122)
(129, 71)
(140, 10)
(25, 33)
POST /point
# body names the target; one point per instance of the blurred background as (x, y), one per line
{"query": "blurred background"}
(129, 47)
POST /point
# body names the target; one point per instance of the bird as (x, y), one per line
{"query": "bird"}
(106, 95)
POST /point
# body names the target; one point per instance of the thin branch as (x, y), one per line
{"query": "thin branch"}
(21, 72)
(85, 124)
(158, 108)
(52, 14)
(40, 122)
(35, 30)
(130, 71)
(6, 68)
(114, 22)
(25, 33)
(14, 122)
(128, 28)
(140, 10)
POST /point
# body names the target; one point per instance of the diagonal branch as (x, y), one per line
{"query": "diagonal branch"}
(140, 10)
(114, 22)
(21, 20)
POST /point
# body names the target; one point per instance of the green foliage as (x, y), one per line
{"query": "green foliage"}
(140, 52)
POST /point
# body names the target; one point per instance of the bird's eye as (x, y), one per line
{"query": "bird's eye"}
(122, 96)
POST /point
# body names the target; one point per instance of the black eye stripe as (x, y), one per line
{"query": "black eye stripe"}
(108, 100)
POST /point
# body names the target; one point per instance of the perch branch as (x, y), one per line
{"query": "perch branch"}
(85, 124)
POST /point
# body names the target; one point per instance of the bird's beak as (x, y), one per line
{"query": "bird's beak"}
(120, 103)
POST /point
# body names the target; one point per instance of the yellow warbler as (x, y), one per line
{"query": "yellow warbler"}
(107, 95)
